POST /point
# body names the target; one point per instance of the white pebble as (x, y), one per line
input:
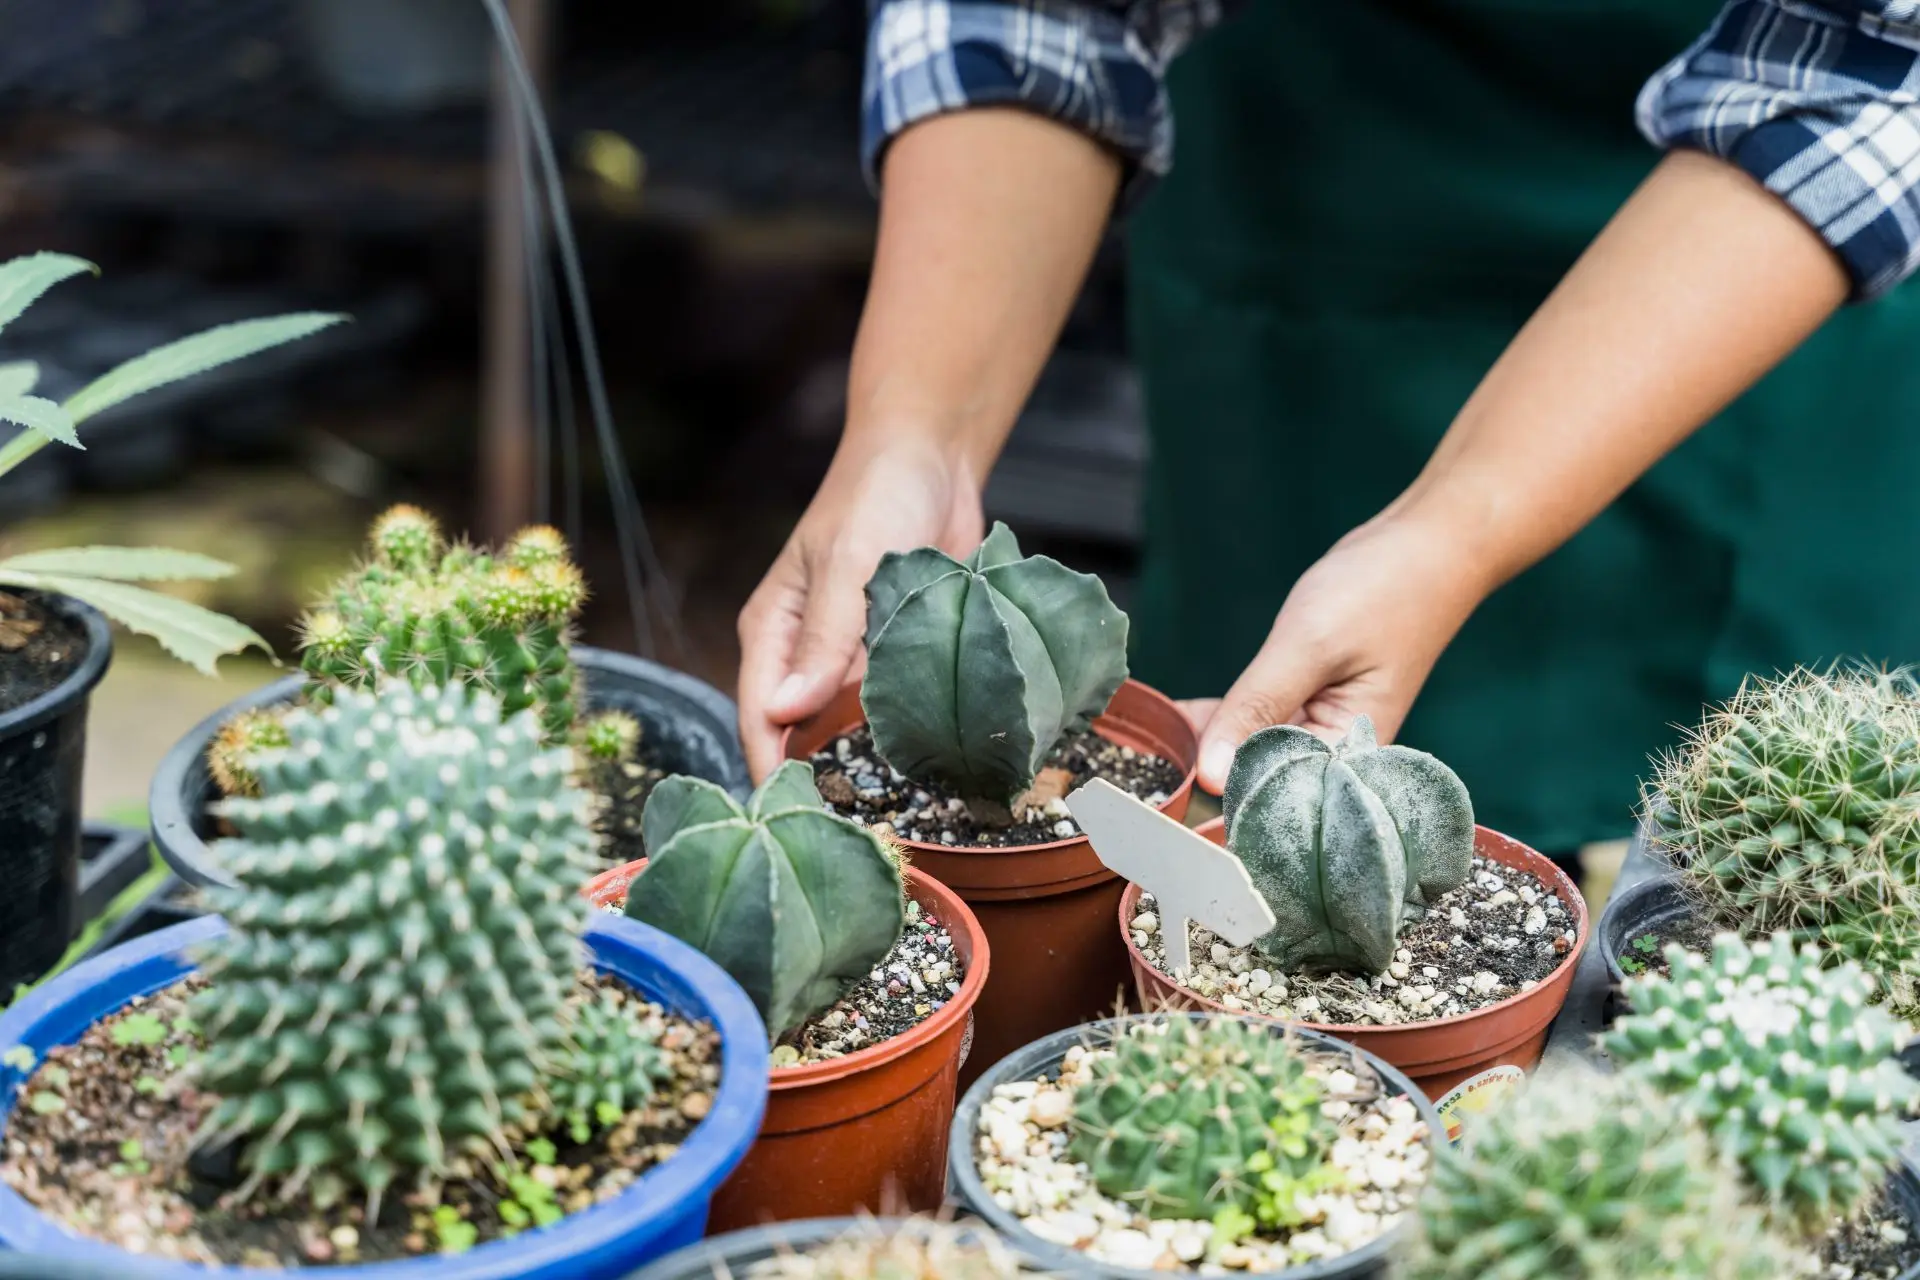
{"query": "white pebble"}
(1146, 922)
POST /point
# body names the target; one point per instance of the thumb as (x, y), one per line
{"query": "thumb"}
(831, 630)
(1273, 690)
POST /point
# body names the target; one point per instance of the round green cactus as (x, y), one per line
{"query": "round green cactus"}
(976, 670)
(1585, 1177)
(404, 934)
(431, 613)
(610, 737)
(609, 1066)
(1785, 1065)
(1797, 807)
(1190, 1116)
(1344, 842)
(796, 903)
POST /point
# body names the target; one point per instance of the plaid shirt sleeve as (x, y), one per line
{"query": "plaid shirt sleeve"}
(1098, 65)
(1820, 101)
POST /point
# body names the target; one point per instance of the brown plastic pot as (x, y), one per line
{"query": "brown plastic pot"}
(1047, 908)
(1441, 1054)
(866, 1133)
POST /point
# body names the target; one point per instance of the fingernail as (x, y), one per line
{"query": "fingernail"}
(790, 689)
(1216, 760)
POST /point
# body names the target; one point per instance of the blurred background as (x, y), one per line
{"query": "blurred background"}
(229, 158)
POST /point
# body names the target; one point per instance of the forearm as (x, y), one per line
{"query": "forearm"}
(1701, 284)
(988, 223)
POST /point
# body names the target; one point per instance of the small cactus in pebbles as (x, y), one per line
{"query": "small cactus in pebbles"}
(609, 1066)
(1784, 1064)
(404, 935)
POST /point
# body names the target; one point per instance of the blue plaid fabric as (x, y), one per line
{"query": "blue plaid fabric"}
(1817, 99)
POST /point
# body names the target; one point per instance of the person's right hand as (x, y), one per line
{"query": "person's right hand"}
(801, 630)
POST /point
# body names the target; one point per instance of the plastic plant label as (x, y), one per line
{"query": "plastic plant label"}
(1477, 1095)
(1191, 878)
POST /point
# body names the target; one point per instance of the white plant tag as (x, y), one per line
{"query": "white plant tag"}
(1190, 877)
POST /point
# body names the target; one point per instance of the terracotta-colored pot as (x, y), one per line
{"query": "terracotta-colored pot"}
(1047, 908)
(866, 1133)
(1446, 1052)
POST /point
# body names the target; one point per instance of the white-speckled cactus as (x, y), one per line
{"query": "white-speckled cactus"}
(976, 670)
(1784, 1064)
(1344, 842)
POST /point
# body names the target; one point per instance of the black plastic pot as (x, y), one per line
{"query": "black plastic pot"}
(1647, 907)
(43, 745)
(111, 859)
(689, 727)
(732, 1254)
(1043, 1057)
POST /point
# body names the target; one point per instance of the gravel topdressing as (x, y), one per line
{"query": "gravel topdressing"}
(857, 784)
(100, 1138)
(1877, 1245)
(1500, 933)
(1021, 1155)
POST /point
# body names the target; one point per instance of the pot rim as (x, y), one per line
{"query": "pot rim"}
(1139, 688)
(698, 1261)
(79, 682)
(1045, 1054)
(1654, 886)
(1538, 866)
(953, 1013)
(708, 1153)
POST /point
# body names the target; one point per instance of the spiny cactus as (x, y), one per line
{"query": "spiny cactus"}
(1346, 842)
(610, 737)
(403, 937)
(912, 1249)
(1785, 1064)
(609, 1066)
(1189, 1114)
(796, 903)
(1797, 807)
(238, 740)
(611, 768)
(1585, 1177)
(976, 670)
(426, 611)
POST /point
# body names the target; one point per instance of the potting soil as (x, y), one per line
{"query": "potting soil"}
(858, 784)
(38, 650)
(1496, 935)
(914, 982)
(1647, 953)
(100, 1138)
(620, 791)
(1878, 1245)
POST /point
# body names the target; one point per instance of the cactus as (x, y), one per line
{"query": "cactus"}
(610, 737)
(404, 935)
(1190, 1116)
(1584, 1177)
(611, 768)
(432, 613)
(796, 903)
(913, 1249)
(1346, 842)
(976, 670)
(1783, 1063)
(1797, 807)
(609, 1066)
(237, 742)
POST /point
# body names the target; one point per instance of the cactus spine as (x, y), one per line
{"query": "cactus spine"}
(1784, 1064)
(796, 903)
(1346, 842)
(403, 937)
(976, 670)
(238, 740)
(1190, 1116)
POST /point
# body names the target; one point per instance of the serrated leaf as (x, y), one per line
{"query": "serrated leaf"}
(189, 356)
(42, 417)
(198, 637)
(17, 378)
(23, 280)
(122, 564)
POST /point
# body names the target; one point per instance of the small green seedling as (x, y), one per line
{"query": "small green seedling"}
(147, 1086)
(455, 1233)
(44, 1103)
(139, 1029)
(132, 1160)
(1629, 965)
(1646, 944)
(542, 1151)
(20, 1058)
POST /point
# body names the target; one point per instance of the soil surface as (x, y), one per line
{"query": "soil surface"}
(1646, 952)
(1878, 1245)
(859, 785)
(622, 788)
(101, 1136)
(38, 650)
(1497, 935)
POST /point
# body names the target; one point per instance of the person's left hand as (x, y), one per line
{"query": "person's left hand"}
(1358, 634)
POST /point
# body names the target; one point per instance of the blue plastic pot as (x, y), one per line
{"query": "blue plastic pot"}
(663, 1210)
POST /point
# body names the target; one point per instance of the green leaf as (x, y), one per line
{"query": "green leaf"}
(18, 378)
(147, 1085)
(139, 1028)
(198, 637)
(20, 1058)
(45, 1104)
(122, 564)
(42, 417)
(130, 1149)
(189, 356)
(540, 1150)
(23, 280)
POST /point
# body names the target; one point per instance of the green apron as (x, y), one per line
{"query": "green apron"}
(1369, 198)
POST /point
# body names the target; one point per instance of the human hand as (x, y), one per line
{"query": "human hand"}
(801, 630)
(1358, 635)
